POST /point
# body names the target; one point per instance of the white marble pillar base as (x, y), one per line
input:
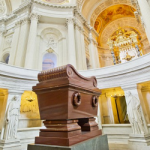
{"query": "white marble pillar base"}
(10, 145)
(139, 142)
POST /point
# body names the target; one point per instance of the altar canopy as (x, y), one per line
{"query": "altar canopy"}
(125, 46)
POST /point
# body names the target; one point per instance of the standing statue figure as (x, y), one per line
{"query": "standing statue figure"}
(135, 114)
(12, 119)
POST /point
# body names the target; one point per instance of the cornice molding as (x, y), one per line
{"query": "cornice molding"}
(53, 5)
(23, 6)
(79, 14)
(123, 75)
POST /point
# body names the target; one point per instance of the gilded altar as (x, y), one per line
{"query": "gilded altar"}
(125, 46)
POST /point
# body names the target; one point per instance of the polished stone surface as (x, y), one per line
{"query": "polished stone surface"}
(97, 143)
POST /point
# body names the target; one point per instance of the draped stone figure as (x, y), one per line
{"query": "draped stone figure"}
(135, 114)
(12, 119)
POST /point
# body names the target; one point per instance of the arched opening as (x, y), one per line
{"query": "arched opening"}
(6, 58)
(49, 61)
(113, 106)
(107, 21)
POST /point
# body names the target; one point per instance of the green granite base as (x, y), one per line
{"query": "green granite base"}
(97, 143)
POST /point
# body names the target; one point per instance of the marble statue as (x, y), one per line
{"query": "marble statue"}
(12, 119)
(135, 114)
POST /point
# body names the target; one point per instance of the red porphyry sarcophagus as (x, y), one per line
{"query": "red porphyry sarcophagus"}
(68, 103)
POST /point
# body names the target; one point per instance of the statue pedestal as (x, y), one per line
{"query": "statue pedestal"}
(10, 145)
(97, 143)
(139, 142)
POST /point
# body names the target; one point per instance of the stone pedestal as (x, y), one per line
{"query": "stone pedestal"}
(10, 144)
(139, 142)
(97, 143)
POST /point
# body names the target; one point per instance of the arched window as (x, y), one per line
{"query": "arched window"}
(49, 61)
(6, 58)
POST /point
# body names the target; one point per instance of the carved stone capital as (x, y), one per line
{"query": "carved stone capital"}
(34, 16)
(17, 24)
(25, 20)
(70, 20)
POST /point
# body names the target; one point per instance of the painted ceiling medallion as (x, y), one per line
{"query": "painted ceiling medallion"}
(56, 1)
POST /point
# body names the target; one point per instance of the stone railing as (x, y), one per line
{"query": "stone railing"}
(127, 76)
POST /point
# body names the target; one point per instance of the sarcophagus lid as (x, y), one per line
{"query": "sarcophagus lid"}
(64, 94)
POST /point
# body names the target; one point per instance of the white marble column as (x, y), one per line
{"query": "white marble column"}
(14, 43)
(22, 44)
(1, 44)
(94, 57)
(60, 52)
(71, 43)
(145, 12)
(9, 137)
(83, 50)
(136, 117)
(78, 48)
(97, 56)
(2, 31)
(29, 60)
(65, 52)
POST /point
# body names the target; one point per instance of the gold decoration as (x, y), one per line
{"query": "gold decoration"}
(125, 41)
(50, 50)
(29, 102)
(128, 57)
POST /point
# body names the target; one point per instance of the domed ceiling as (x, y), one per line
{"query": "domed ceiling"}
(112, 13)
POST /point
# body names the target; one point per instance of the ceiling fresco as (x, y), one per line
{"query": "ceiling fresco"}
(112, 13)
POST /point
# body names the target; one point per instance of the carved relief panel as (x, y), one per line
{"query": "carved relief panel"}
(8, 41)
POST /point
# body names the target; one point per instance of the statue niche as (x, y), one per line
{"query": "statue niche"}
(68, 103)
(135, 116)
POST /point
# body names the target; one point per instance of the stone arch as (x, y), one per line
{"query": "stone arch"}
(51, 30)
(3, 8)
(9, 6)
(104, 5)
(50, 38)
